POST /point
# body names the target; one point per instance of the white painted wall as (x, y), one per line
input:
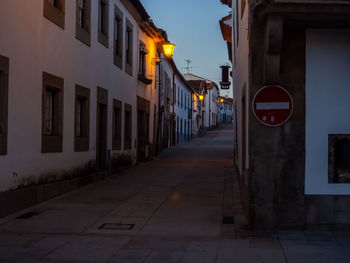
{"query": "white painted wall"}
(327, 103)
(211, 106)
(225, 110)
(181, 111)
(33, 45)
(149, 92)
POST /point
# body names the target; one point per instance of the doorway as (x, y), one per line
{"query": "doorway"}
(143, 111)
(101, 132)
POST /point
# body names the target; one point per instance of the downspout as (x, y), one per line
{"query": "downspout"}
(159, 113)
(174, 122)
(209, 110)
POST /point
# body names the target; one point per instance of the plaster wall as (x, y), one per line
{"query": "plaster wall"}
(149, 92)
(327, 93)
(225, 110)
(241, 83)
(211, 106)
(182, 111)
(34, 44)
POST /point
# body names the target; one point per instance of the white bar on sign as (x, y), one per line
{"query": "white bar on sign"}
(272, 106)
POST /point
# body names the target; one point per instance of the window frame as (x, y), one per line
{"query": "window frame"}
(82, 140)
(55, 14)
(52, 142)
(84, 33)
(103, 22)
(118, 43)
(4, 87)
(129, 47)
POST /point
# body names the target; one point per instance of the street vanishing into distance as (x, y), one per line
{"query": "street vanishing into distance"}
(176, 208)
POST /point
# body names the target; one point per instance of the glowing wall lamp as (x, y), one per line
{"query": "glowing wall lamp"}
(168, 51)
(201, 97)
(221, 100)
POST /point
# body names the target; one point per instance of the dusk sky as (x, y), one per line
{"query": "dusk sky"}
(193, 26)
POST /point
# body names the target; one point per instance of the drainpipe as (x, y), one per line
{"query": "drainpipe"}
(209, 98)
(159, 113)
(174, 95)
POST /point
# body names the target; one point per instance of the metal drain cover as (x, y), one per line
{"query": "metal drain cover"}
(228, 220)
(114, 226)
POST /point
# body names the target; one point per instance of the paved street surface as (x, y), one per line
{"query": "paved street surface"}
(168, 210)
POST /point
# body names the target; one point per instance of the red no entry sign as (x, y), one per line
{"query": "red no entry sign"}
(272, 105)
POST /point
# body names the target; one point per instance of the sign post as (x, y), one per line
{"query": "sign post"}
(272, 105)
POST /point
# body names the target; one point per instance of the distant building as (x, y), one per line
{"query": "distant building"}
(211, 100)
(175, 106)
(296, 172)
(225, 110)
(199, 88)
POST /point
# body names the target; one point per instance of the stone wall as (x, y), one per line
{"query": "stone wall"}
(277, 154)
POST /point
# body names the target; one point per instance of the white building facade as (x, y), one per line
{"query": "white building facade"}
(183, 107)
(71, 88)
(225, 110)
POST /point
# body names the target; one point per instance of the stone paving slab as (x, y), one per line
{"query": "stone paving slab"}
(88, 249)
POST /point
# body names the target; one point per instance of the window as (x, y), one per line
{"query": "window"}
(83, 21)
(4, 72)
(49, 116)
(52, 114)
(142, 64)
(338, 158)
(117, 125)
(181, 99)
(54, 11)
(103, 22)
(82, 119)
(127, 126)
(128, 47)
(181, 131)
(118, 37)
(142, 59)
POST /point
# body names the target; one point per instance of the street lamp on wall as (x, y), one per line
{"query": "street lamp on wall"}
(168, 51)
(201, 97)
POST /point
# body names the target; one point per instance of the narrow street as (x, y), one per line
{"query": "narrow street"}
(167, 210)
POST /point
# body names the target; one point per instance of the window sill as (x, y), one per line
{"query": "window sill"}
(144, 79)
(54, 14)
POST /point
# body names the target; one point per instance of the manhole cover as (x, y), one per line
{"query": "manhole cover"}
(27, 215)
(114, 226)
(228, 220)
